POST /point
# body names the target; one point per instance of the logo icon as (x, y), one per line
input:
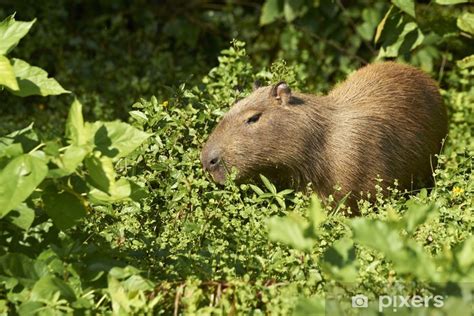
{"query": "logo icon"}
(360, 301)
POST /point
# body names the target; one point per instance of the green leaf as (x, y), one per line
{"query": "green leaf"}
(270, 187)
(281, 202)
(22, 216)
(119, 190)
(418, 214)
(450, 2)
(46, 288)
(11, 32)
(256, 189)
(408, 257)
(399, 37)
(65, 209)
(370, 17)
(137, 283)
(292, 9)
(407, 6)
(34, 81)
(52, 148)
(73, 157)
(387, 238)
(310, 306)
(26, 138)
(271, 10)
(7, 75)
(119, 297)
(101, 172)
(75, 130)
(415, 261)
(139, 116)
(18, 180)
(317, 215)
(11, 150)
(340, 261)
(466, 62)
(465, 254)
(123, 273)
(381, 25)
(285, 192)
(21, 267)
(123, 285)
(31, 308)
(116, 139)
(138, 193)
(290, 230)
(466, 22)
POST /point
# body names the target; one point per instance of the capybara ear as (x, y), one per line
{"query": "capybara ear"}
(282, 92)
(256, 84)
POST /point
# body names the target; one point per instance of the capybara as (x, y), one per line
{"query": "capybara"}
(386, 121)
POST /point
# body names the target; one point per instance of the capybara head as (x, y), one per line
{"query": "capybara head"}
(261, 134)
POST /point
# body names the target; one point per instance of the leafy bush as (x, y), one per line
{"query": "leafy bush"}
(116, 218)
(17, 75)
(37, 181)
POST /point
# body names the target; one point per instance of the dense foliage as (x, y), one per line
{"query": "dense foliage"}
(114, 217)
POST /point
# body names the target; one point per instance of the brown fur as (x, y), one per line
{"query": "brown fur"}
(386, 120)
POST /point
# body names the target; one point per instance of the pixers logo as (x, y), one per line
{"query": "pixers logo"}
(416, 301)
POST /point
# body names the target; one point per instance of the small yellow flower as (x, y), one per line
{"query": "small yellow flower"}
(457, 191)
(165, 103)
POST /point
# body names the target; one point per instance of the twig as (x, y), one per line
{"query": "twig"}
(354, 27)
(177, 298)
(441, 69)
(335, 45)
(37, 147)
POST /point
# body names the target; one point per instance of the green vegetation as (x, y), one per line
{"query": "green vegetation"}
(117, 217)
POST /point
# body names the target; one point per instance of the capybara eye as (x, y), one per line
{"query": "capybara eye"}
(254, 118)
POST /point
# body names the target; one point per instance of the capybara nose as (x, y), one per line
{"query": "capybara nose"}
(210, 159)
(214, 162)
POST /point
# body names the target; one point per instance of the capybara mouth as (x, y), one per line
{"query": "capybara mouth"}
(214, 165)
(218, 175)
